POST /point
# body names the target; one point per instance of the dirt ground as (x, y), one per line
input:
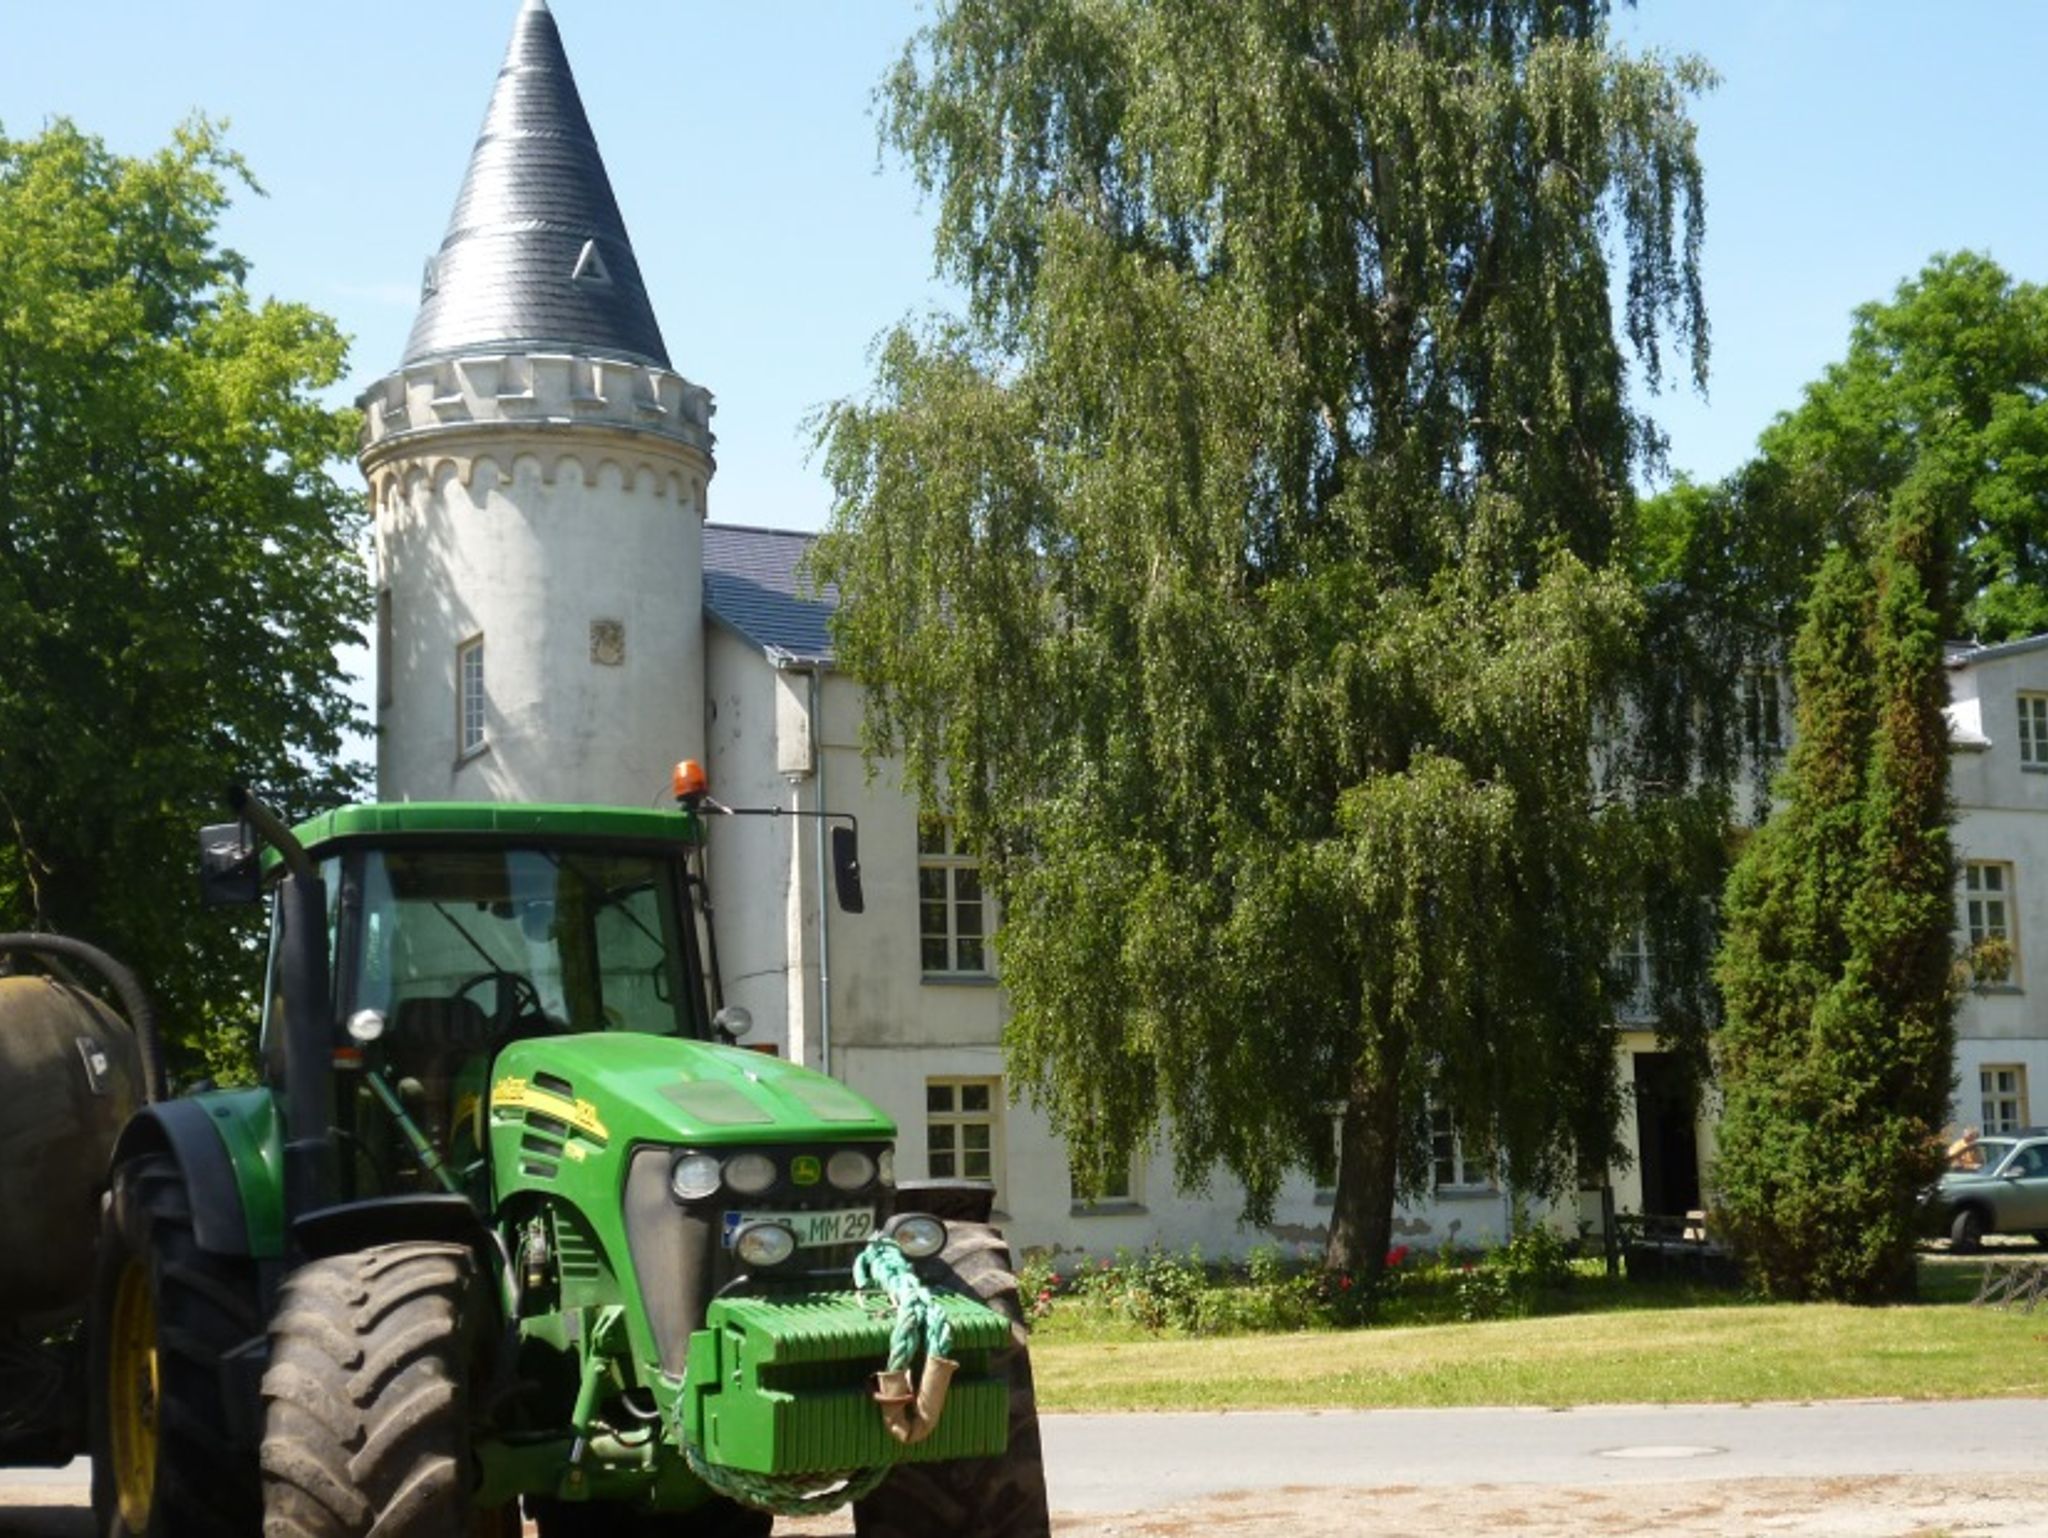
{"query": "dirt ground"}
(1974, 1507)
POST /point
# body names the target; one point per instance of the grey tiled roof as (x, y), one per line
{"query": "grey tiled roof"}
(751, 587)
(535, 205)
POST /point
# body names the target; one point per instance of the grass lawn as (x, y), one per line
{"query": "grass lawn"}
(1617, 1345)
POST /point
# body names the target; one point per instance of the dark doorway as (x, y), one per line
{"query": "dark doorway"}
(1667, 1142)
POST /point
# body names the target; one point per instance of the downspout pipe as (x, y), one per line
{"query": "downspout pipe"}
(816, 706)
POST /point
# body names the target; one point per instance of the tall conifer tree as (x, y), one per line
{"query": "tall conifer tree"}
(1838, 967)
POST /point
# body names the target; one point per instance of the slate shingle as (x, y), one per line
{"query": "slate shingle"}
(535, 194)
(751, 586)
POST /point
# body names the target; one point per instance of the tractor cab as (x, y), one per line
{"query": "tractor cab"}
(456, 931)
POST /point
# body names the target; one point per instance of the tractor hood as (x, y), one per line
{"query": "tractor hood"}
(616, 1088)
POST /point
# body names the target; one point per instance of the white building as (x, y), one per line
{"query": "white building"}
(558, 622)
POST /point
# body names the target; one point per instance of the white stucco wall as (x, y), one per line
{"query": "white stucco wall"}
(533, 519)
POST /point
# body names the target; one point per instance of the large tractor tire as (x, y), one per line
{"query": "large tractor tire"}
(1000, 1497)
(165, 1463)
(366, 1400)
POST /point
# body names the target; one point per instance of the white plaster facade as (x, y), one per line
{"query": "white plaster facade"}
(551, 506)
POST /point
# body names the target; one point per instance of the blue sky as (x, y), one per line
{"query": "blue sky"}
(1847, 143)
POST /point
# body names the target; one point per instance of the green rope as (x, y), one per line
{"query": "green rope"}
(921, 1327)
(787, 1495)
(921, 1324)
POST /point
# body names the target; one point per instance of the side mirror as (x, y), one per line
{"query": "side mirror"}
(846, 870)
(230, 871)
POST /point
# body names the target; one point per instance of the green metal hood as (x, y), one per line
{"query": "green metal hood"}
(617, 1088)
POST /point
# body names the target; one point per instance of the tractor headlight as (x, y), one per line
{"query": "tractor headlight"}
(917, 1235)
(850, 1169)
(885, 1166)
(750, 1173)
(694, 1177)
(764, 1244)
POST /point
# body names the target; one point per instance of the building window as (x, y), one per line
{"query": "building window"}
(1988, 921)
(469, 696)
(2004, 1090)
(1454, 1169)
(1634, 968)
(1763, 722)
(385, 644)
(962, 1120)
(2034, 730)
(1119, 1189)
(952, 915)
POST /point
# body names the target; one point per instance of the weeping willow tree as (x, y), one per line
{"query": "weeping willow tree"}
(1240, 567)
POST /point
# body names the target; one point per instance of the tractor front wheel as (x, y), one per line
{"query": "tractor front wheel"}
(164, 1463)
(999, 1497)
(366, 1400)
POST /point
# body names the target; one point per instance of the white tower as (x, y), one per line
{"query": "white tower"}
(537, 472)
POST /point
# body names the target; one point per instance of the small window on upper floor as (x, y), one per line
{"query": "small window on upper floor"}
(469, 697)
(2033, 710)
(952, 913)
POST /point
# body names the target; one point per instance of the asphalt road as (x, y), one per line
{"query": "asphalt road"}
(1125, 1463)
(1100, 1463)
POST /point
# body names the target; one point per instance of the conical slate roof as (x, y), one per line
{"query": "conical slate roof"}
(536, 256)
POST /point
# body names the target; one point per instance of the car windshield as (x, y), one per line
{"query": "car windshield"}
(535, 938)
(1985, 1153)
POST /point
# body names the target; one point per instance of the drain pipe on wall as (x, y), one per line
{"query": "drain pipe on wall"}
(817, 713)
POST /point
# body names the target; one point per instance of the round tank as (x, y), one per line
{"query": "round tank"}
(70, 1077)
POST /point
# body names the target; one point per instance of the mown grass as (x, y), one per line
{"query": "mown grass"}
(1617, 1344)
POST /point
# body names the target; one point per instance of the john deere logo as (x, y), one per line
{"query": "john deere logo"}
(804, 1170)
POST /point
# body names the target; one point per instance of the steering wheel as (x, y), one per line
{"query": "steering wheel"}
(518, 1010)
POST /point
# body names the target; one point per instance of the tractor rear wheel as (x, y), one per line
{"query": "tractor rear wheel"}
(999, 1497)
(164, 1312)
(366, 1400)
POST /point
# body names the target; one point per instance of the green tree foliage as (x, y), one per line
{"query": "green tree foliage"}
(177, 565)
(1955, 364)
(1239, 568)
(1837, 969)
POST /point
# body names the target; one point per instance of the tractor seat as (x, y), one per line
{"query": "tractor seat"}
(431, 1027)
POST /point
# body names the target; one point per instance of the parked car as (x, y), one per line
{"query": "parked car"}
(1996, 1185)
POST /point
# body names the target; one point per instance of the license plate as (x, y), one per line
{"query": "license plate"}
(811, 1228)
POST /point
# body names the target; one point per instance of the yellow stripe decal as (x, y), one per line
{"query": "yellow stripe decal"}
(516, 1094)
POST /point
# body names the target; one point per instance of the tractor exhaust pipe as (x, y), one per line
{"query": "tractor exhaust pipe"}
(308, 1024)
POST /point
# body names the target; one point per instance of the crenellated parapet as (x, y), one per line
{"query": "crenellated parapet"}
(593, 415)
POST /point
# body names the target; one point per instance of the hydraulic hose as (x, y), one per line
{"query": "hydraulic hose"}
(134, 1002)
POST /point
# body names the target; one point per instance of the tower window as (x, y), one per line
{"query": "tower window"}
(384, 647)
(469, 696)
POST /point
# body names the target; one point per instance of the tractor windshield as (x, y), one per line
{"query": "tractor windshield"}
(521, 941)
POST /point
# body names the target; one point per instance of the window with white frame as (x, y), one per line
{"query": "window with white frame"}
(2034, 730)
(1454, 1169)
(2003, 1087)
(1119, 1188)
(952, 914)
(469, 696)
(1763, 722)
(1988, 919)
(1634, 965)
(963, 1129)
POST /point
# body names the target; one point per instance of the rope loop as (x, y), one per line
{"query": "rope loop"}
(921, 1327)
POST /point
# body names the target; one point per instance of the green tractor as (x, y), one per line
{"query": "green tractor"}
(513, 1226)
